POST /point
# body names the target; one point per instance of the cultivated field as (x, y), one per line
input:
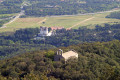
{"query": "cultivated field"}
(75, 21)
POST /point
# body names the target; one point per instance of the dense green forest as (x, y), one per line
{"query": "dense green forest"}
(68, 7)
(56, 7)
(10, 6)
(115, 15)
(23, 40)
(97, 61)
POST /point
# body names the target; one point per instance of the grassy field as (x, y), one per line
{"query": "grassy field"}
(60, 21)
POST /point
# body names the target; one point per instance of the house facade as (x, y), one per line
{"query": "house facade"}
(43, 33)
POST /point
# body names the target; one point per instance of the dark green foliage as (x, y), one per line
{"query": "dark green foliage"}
(23, 40)
(25, 34)
(97, 61)
(10, 6)
(20, 42)
(75, 36)
(115, 15)
(68, 7)
(56, 7)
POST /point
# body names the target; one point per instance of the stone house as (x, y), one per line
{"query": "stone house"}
(67, 55)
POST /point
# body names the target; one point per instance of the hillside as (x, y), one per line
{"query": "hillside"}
(23, 40)
(97, 61)
(10, 6)
(56, 7)
(85, 28)
(68, 7)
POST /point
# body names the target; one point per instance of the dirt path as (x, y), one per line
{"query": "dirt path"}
(42, 21)
(82, 22)
(20, 14)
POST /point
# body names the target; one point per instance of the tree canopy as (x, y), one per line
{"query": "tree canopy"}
(97, 61)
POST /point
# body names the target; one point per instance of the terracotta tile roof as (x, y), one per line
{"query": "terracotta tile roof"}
(55, 28)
